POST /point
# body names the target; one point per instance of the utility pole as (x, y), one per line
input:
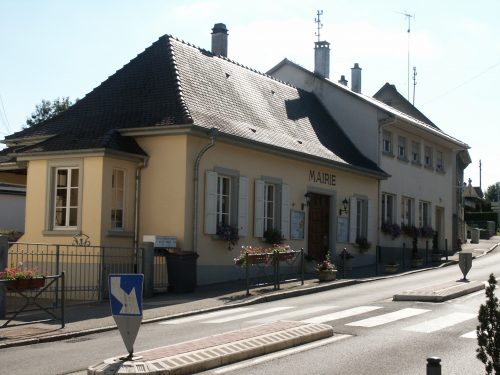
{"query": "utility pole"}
(409, 16)
(414, 83)
(480, 171)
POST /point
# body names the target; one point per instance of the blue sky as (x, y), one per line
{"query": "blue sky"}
(59, 48)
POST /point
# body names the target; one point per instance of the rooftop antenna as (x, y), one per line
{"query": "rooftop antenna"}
(318, 21)
(414, 83)
(409, 16)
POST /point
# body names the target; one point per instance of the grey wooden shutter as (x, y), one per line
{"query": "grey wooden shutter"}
(210, 202)
(258, 226)
(285, 211)
(243, 206)
(353, 213)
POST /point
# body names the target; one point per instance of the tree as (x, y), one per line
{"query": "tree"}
(488, 332)
(48, 109)
(493, 193)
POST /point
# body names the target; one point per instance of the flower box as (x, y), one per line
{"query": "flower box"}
(258, 258)
(286, 256)
(24, 284)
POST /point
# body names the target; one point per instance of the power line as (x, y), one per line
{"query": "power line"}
(464, 82)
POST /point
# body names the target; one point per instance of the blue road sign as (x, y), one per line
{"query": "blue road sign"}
(125, 294)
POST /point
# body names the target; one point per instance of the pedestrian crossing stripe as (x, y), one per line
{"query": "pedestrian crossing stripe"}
(470, 335)
(388, 318)
(215, 314)
(250, 314)
(441, 322)
(292, 314)
(341, 314)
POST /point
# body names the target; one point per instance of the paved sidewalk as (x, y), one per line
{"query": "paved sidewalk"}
(93, 318)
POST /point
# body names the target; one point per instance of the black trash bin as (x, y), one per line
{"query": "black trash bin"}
(181, 268)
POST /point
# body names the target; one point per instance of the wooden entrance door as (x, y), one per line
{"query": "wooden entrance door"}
(319, 225)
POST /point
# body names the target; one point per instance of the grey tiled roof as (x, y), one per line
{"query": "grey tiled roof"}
(175, 83)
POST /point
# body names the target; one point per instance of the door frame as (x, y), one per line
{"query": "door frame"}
(332, 230)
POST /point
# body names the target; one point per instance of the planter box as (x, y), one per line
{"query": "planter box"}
(258, 258)
(24, 284)
(391, 268)
(286, 256)
(329, 275)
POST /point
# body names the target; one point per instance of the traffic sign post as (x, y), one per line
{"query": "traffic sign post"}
(125, 295)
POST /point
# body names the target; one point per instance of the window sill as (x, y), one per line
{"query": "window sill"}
(61, 232)
(119, 233)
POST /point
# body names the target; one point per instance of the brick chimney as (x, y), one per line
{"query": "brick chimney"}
(219, 40)
(322, 59)
(356, 78)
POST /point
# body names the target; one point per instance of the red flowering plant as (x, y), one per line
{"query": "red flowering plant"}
(260, 254)
(20, 273)
(326, 265)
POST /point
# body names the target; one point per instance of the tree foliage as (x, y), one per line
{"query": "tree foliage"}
(488, 330)
(48, 109)
(493, 193)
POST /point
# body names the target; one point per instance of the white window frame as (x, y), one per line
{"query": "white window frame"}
(428, 156)
(407, 211)
(238, 201)
(68, 206)
(269, 206)
(223, 210)
(388, 208)
(402, 148)
(415, 152)
(424, 214)
(361, 217)
(117, 204)
(387, 142)
(281, 207)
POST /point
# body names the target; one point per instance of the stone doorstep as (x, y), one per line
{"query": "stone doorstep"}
(441, 292)
(218, 350)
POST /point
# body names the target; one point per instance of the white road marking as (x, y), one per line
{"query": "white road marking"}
(285, 316)
(388, 318)
(341, 314)
(250, 314)
(194, 318)
(280, 354)
(441, 323)
(470, 335)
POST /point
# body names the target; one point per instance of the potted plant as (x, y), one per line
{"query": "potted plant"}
(393, 230)
(326, 270)
(391, 267)
(19, 278)
(228, 233)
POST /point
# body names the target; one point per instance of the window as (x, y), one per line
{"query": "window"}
(439, 161)
(424, 214)
(223, 200)
(388, 208)
(361, 218)
(415, 152)
(402, 148)
(226, 200)
(428, 156)
(269, 206)
(117, 199)
(272, 208)
(387, 142)
(66, 198)
(407, 209)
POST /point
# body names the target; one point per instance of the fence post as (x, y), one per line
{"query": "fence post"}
(344, 253)
(426, 251)
(403, 257)
(247, 273)
(433, 366)
(377, 259)
(148, 260)
(58, 261)
(4, 246)
(302, 266)
(446, 248)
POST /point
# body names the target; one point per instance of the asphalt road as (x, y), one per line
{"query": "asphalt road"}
(394, 341)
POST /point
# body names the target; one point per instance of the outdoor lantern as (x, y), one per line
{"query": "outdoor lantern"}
(345, 202)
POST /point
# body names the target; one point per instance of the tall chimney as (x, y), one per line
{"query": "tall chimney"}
(322, 59)
(219, 40)
(342, 80)
(356, 78)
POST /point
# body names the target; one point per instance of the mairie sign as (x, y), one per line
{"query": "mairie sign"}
(125, 295)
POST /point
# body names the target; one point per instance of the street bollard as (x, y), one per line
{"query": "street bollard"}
(433, 366)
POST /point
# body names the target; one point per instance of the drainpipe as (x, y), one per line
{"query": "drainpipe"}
(136, 203)
(213, 133)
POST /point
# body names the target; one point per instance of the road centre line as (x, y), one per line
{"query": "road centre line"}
(441, 322)
(388, 318)
(341, 314)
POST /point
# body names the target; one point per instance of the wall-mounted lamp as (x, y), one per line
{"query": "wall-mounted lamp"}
(307, 196)
(345, 202)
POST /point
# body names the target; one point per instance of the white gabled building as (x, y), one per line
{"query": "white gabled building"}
(426, 165)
